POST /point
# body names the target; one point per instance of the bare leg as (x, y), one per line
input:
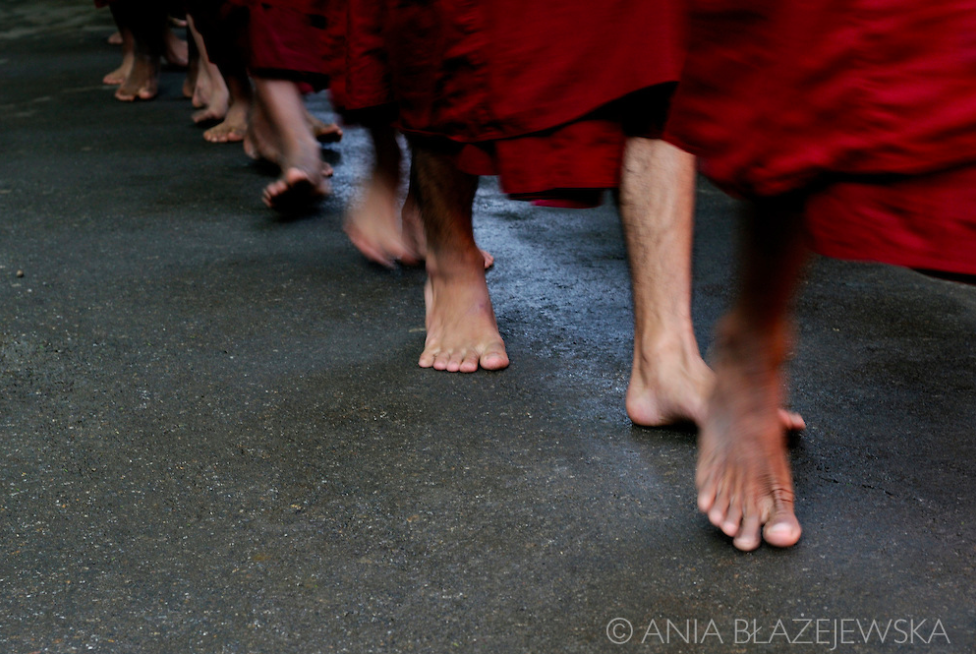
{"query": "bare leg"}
(260, 141)
(210, 89)
(373, 222)
(146, 23)
(233, 129)
(462, 334)
(669, 381)
(193, 63)
(143, 82)
(412, 226)
(175, 49)
(202, 86)
(744, 480)
(227, 90)
(128, 43)
(301, 180)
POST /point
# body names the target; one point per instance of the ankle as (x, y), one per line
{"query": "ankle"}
(458, 264)
(761, 348)
(664, 346)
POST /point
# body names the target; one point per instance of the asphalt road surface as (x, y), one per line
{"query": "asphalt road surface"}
(215, 437)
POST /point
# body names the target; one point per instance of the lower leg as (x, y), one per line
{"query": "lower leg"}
(119, 75)
(260, 141)
(146, 23)
(412, 226)
(744, 480)
(462, 334)
(175, 49)
(193, 62)
(210, 93)
(300, 159)
(669, 380)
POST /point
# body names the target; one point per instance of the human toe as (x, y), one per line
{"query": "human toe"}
(469, 363)
(442, 360)
(792, 421)
(748, 537)
(494, 360)
(783, 530)
(732, 524)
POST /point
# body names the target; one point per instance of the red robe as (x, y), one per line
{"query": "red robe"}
(221, 25)
(868, 106)
(537, 92)
(293, 38)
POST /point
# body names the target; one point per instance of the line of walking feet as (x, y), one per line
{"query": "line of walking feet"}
(598, 111)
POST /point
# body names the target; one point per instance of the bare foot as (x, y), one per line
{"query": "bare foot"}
(672, 387)
(324, 132)
(232, 130)
(218, 100)
(259, 146)
(295, 189)
(175, 50)
(744, 481)
(279, 132)
(462, 334)
(208, 114)
(142, 82)
(119, 75)
(259, 141)
(203, 88)
(669, 384)
(373, 224)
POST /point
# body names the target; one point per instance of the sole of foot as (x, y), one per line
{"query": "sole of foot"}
(294, 191)
(322, 131)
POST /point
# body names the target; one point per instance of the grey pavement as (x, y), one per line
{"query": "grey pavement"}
(215, 437)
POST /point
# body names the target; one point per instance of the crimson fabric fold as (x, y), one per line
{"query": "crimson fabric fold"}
(868, 106)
